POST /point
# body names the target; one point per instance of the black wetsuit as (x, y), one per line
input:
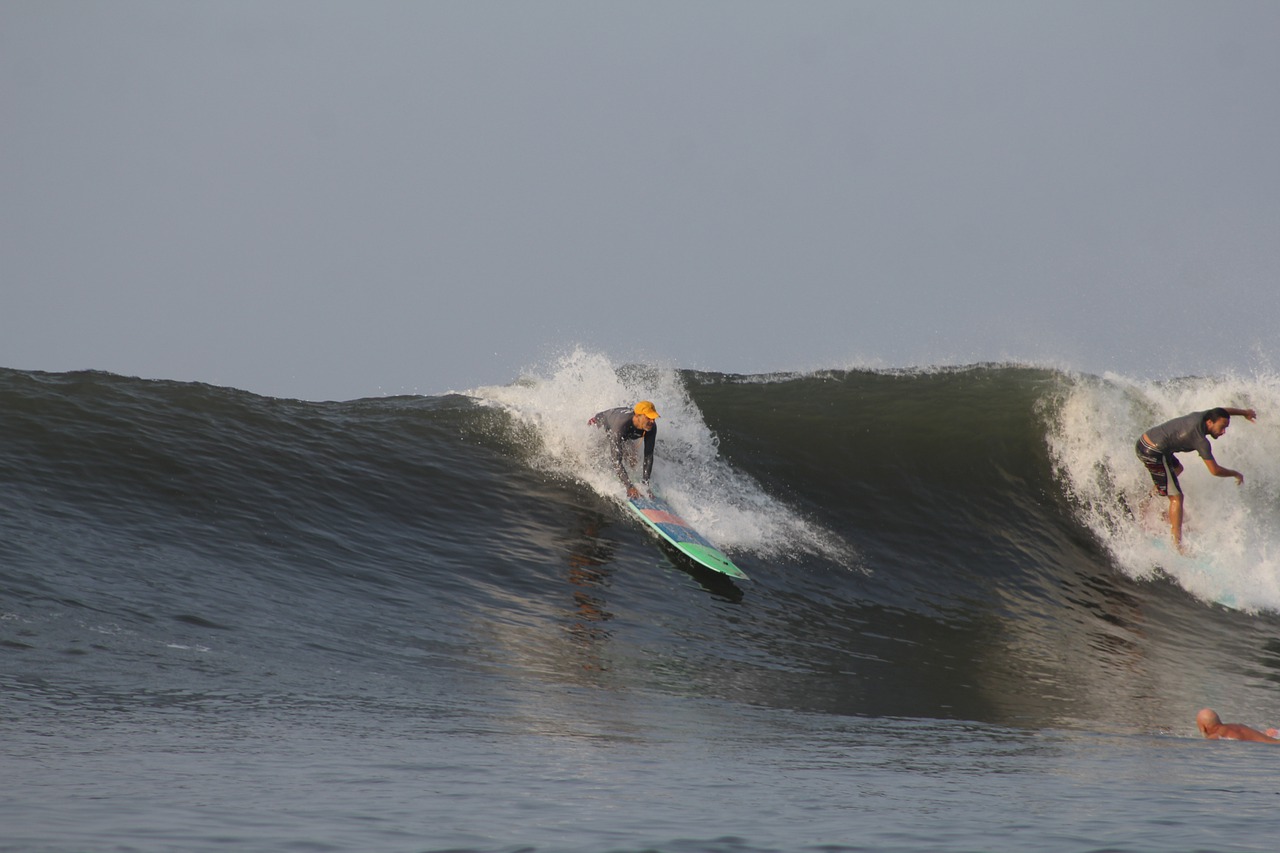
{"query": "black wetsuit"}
(619, 428)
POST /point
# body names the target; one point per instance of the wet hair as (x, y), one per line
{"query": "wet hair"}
(1217, 414)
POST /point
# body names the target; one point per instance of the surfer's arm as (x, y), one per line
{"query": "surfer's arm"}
(1235, 731)
(1218, 471)
(650, 439)
(632, 491)
(1248, 414)
(619, 466)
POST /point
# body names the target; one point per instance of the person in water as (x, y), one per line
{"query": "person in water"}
(1212, 727)
(1182, 435)
(622, 425)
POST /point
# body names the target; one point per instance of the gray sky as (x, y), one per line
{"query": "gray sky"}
(333, 200)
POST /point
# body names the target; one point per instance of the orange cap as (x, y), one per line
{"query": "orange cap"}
(644, 407)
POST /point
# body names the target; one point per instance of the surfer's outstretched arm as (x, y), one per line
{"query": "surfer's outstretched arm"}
(1218, 471)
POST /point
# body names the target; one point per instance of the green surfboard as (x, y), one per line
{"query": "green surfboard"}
(658, 515)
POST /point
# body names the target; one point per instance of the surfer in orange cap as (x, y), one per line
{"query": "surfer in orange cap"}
(1212, 727)
(623, 425)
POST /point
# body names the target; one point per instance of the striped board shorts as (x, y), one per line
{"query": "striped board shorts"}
(1160, 467)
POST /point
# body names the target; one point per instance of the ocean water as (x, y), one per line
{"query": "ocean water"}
(231, 622)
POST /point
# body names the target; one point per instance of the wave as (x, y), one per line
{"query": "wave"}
(830, 463)
(950, 534)
(826, 466)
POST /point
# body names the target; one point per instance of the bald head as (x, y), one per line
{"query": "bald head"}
(1207, 720)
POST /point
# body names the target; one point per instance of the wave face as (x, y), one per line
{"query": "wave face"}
(971, 544)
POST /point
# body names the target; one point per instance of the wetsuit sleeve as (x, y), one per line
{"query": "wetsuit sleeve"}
(650, 439)
(615, 453)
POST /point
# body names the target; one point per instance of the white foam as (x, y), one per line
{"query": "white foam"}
(1232, 534)
(726, 505)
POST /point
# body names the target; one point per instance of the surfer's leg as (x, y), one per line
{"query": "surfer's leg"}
(1175, 520)
(1174, 490)
(1157, 465)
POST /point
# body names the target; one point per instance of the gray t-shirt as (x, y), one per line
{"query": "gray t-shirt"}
(1182, 435)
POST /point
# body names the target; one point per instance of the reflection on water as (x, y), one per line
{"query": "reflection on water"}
(589, 557)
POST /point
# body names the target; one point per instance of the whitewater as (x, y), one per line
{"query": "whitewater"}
(425, 623)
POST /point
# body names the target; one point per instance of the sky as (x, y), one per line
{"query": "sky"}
(328, 200)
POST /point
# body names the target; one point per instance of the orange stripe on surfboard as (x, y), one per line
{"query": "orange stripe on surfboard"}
(658, 516)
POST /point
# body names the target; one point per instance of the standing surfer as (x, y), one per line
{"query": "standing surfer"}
(1182, 435)
(623, 425)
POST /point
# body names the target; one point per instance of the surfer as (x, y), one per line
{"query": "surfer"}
(1212, 727)
(1182, 435)
(624, 424)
